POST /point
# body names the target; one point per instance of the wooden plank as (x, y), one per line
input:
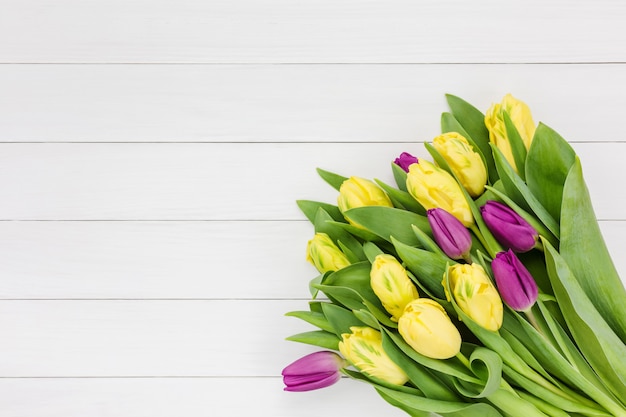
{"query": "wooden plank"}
(217, 338)
(171, 260)
(199, 397)
(219, 181)
(273, 31)
(287, 103)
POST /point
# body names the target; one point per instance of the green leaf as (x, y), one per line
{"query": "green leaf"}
(356, 231)
(423, 378)
(317, 338)
(324, 224)
(427, 266)
(402, 199)
(549, 160)
(416, 406)
(399, 175)
(371, 251)
(584, 250)
(340, 318)
(355, 277)
(518, 191)
(386, 222)
(602, 348)
(334, 180)
(518, 148)
(314, 318)
(309, 208)
(473, 122)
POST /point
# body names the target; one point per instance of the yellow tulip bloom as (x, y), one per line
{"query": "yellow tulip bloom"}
(426, 327)
(463, 160)
(434, 187)
(392, 285)
(363, 348)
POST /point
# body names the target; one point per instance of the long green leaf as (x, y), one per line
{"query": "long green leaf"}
(602, 348)
(309, 208)
(519, 192)
(334, 180)
(549, 160)
(584, 250)
(518, 148)
(386, 222)
(317, 338)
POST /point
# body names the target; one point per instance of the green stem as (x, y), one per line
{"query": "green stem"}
(482, 240)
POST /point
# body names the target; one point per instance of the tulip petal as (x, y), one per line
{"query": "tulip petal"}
(297, 384)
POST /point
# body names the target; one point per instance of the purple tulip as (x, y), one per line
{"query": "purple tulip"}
(405, 160)
(450, 234)
(515, 284)
(314, 371)
(508, 227)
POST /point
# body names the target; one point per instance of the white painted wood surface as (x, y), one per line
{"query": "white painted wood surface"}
(151, 153)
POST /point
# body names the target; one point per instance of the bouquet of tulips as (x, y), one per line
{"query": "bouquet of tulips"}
(478, 285)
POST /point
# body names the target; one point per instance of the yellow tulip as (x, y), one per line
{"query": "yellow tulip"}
(363, 348)
(466, 163)
(358, 192)
(322, 252)
(426, 327)
(434, 187)
(475, 295)
(392, 285)
(522, 119)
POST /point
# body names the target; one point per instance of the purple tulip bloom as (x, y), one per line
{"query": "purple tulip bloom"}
(508, 227)
(515, 284)
(405, 160)
(314, 371)
(450, 234)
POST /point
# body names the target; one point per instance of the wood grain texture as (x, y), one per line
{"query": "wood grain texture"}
(189, 397)
(218, 181)
(292, 103)
(278, 31)
(171, 260)
(138, 338)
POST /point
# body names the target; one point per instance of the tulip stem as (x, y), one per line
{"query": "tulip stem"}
(533, 320)
(482, 240)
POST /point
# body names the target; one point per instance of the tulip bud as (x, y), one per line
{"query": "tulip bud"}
(475, 295)
(522, 119)
(324, 254)
(450, 234)
(433, 187)
(508, 227)
(467, 164)
(314, 371)
(405, 160)
(364, 349)
(517, 287)
(358, 192)
(426, 327)
(392, 285)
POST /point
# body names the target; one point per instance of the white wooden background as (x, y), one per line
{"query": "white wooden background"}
(151, 153)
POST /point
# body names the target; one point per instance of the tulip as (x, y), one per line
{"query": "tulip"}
(450, 234)
(434, 187)
(363, 348)
(426, 327)
(391, 284)
(522, 119)
(324, 254)
(405, 160)
(463, 160)
(358, 192)
(314, 371)
(517, 287)
(508, 227)
(475, 295)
